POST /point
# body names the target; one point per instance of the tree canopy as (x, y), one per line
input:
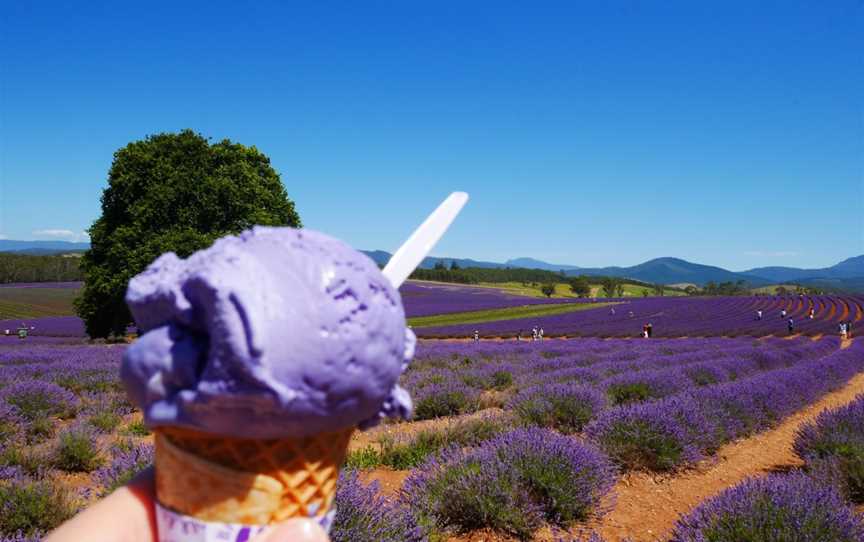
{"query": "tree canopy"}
(172, 192)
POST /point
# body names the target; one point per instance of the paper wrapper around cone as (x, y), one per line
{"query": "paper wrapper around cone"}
(245, 481)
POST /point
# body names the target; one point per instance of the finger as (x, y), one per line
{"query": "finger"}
(295, 530)
(126, 515)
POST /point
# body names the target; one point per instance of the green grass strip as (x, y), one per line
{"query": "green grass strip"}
(495, 315)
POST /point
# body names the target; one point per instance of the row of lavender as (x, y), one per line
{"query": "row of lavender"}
(810, 504)
(681, 317)
(549, 381)
(518, 480)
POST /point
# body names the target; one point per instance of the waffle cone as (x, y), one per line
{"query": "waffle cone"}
(253, 482)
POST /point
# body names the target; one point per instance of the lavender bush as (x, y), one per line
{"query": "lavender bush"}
(76, 450)
(832, 446)
(655, 436)
(37, 399)
(406, 452)
(565, 407)
(10, 422)
(125, 465)
(511, 483)
(30, 507)
(777, 508)
(364, 515)
(447, 399)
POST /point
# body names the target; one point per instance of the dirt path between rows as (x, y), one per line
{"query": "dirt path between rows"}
(647, 506)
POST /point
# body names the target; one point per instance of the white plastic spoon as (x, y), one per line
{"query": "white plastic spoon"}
(412, 251)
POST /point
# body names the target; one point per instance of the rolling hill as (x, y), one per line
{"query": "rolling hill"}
(671, 271)
(846, 275)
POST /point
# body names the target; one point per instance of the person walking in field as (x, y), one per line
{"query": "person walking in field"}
(534, 333)
(812, 313)
(783, 313)
(476, 336)
(612, 311)
(790, 325)
(759, 314)
(844, 331)
(540, 333)
(645, 331)
(650, 330)
(519, 336)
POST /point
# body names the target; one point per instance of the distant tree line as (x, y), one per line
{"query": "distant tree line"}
(580, 286)
(474, 275)
(29, 268)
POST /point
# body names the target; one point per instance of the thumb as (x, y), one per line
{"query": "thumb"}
(295, 530)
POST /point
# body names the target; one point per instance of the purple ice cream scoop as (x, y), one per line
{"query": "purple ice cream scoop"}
(273, 333)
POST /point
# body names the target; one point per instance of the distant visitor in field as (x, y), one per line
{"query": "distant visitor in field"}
(534, 333)
(812, 313)
(519, 335)
(791, 326)
(849, 329)
(476, 336)
(844, 331)
(783, 313)
(650, 330)
(612, 311)
(540, 333)
(759, 314)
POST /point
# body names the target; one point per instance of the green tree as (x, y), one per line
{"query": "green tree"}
(171, 192)
(454, 265)
(548, 289)
(580, 287)
(610, 286)
(658, 289)
(439, 266)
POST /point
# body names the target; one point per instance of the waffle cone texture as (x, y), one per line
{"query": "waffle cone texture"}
(252, 482)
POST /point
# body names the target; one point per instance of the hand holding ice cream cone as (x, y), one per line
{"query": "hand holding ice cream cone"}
(259, 357)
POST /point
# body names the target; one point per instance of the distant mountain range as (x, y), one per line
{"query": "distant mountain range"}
(846, 275)
(42, 247)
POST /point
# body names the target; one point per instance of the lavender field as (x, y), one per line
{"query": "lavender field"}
(669, 316)
(680, 317)
(540, 432)
(427, 298)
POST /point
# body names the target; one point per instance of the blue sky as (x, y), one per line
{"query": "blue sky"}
(589, 133)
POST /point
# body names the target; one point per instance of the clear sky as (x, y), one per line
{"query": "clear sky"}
(588, 133)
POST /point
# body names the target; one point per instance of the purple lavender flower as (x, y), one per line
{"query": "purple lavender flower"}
(123, 468)
(447, 399)
(565, 407)
(656, 436)
(832, 446)
(776, 508)
(30, 507)
(37, 399)
(10, 421)
(511, 483)
(364, 515)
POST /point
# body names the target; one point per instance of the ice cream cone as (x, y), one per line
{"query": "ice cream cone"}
(247, 481)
